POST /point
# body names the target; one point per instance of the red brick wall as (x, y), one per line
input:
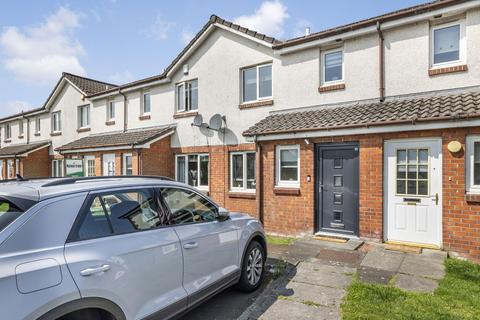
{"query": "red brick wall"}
(158, 160)
(37, 164)
(294, 214)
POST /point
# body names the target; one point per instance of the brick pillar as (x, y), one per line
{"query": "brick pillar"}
(135, 163)
(118, 163)
(98, 164)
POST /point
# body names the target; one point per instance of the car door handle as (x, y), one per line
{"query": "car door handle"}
(190, 245)
(89, 271)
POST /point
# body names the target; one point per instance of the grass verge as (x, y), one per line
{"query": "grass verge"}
(457, 297)
(283, 241)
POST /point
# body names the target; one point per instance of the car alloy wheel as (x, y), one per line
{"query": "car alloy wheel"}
(254, 266)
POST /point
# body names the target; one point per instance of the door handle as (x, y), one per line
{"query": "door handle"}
(89, 271)
(190, 245)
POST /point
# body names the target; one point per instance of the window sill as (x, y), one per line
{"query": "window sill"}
(110, 122)
(255, 104)
(83, 130)
(472, 197)
(7, 140)
(331, 87)
(37, 134)
(290, 191)
(242, 195)
(20, 137)
(58, 133)
(144, 117)
(185, 114)
(435, 71)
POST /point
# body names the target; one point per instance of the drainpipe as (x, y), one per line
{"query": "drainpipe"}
(381, 59)
(125, 107)
(28, 129)
(258, 178)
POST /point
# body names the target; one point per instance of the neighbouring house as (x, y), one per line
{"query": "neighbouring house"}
(366, 130)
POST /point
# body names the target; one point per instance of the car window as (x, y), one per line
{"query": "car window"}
(8, 213)
(186, 206)
(119, 212)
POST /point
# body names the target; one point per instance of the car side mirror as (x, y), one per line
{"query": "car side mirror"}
(223, 214)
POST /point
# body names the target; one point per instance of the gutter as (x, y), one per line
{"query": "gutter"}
(381, 61)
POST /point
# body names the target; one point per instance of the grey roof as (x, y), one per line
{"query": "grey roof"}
(438, 107)
(88, 86)
(117, 139)
(19, 149)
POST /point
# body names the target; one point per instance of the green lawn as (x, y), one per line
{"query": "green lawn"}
(457, 297)
(285, 241)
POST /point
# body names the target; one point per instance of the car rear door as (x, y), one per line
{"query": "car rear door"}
(210, 247)
(119, 250)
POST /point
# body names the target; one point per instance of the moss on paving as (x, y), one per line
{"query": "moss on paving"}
(457, 297)
(277, 240)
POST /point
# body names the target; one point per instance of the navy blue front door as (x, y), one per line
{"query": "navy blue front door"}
(337, 184)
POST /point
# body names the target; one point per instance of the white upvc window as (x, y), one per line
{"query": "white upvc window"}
(448, 44)
(332, 66)
(8, 131)
(193, 169)
(473, 164)
(84, 116)
(56, 121)
(37, 125)
(242, 171)
(111, 110)
(1, 170)
(288, 166)
(20, 128)
(257, 83)
(187, 96)
(89, 163)
(127, 166)
(146, 103)
(10, 169)
(17, 166)
(57, 168)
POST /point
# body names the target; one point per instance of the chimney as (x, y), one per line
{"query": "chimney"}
(307, 31)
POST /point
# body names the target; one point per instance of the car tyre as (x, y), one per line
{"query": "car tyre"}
(253, 268)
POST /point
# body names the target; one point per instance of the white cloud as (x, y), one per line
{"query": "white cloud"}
(40, 54)
(14, 107)
(267, 19)
(122, 77)
(160, 28)
(300, 27)
(187, 36)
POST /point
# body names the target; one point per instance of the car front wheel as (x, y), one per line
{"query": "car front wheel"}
(253, 268)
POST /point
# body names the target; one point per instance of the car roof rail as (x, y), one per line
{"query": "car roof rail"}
(71, 180)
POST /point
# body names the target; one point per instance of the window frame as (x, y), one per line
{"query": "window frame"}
(461, 44)
(186, 96)
(286, 183)
(110, 108)
(143, 104)
(245, 169)
(242, 82)
(87, 158)
(417, 164)
(61, 167)
(323, 54)
(37, 125)
(8, 131)
(470, 163)
(80, 111)
(56, 115)
(199, 155)
(124, 163)
(21, 128)
(10, 165)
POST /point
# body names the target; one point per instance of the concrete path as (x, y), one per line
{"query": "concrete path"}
(319, 272)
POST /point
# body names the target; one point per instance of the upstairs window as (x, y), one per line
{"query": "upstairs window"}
(56, 122)
(111, 111)
(20, 128)
(146, 102)
(447, 44)
(332, 63)
(37, 125)
(187, 96)
(257, 83)
(84, 116)
(8, 131)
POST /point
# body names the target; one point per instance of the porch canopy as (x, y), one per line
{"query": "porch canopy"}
(22, 150)
(434, 110)
(130, 139)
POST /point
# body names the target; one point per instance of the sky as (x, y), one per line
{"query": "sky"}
(119, 41)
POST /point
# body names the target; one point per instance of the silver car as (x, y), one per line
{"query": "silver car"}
(119, 248)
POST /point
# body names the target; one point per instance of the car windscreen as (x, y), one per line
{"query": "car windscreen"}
(11, 209)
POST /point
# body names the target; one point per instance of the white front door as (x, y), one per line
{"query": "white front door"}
(109, 164)
(413, 191)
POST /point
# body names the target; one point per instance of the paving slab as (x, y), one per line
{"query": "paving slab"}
(323, 275)
(321, 295)
(340, 257)
(288, 310)
(384, 260)
(423, 265)
(375, 276)
(415, 283)
(354, 244)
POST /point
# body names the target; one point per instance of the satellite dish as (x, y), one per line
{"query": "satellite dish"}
(197, 121)
(215, 122)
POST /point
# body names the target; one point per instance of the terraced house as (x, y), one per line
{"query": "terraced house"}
(366, 130)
